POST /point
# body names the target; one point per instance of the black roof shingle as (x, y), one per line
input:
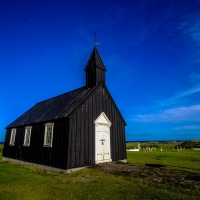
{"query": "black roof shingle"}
(53, 108)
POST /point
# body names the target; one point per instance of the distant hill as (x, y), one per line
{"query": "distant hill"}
(1, 142)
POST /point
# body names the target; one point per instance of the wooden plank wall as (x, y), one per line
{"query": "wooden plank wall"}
(82, 130)
(55, 156)
(77, 148)
(100, 75)
(94, 76)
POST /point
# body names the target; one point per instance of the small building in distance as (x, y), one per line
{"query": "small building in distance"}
(75, 129)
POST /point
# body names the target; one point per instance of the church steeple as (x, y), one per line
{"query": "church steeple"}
(95, 70)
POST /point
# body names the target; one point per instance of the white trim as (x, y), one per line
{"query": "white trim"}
(97, 121)
(12, 137)
(42, 166)
(25, 136)
(49, 124)
(102, 120)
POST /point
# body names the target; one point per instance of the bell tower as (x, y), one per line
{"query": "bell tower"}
(95, 70)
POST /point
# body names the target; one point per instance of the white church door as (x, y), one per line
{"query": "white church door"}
(102, 139)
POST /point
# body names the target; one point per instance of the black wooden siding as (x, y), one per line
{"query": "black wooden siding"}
(55, 156)
(73, 114)
(73, 137)
(82, 130)
(94, 76)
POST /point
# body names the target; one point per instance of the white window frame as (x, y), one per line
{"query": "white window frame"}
(25, 136)
(48, 126)
(12, 137)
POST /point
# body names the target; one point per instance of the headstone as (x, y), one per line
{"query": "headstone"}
(139, 146)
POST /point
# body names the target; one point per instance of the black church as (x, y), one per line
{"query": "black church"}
(75, 129)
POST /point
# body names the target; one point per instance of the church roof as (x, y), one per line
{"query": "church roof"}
(65, 104)
(95, 61)
(53, 108)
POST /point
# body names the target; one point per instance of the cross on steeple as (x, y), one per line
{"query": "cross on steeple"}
(95, 39)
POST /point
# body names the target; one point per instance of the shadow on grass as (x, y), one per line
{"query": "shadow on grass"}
(155, 165)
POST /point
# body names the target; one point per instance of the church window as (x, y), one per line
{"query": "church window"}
(27, 136)
(12, 136)
(48, 135)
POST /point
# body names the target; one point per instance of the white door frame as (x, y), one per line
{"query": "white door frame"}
(102, 120)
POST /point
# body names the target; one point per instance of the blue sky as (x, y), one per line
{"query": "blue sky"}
(151, 50)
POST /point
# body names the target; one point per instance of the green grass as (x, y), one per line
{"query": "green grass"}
(187, 160)
(25, 182)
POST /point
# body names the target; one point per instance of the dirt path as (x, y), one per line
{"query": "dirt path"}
(153, 173)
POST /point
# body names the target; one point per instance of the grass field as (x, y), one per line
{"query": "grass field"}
(25, 182)
(185, 159)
